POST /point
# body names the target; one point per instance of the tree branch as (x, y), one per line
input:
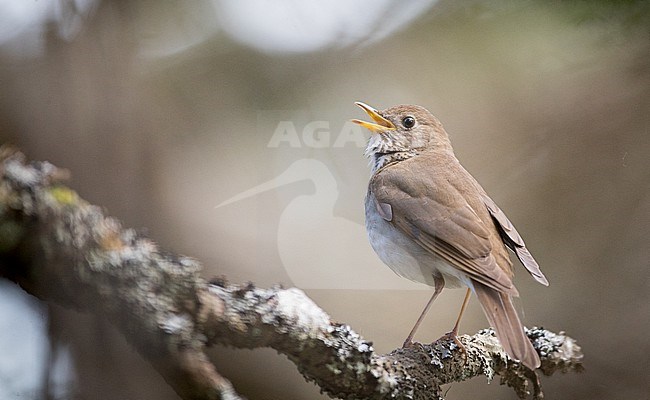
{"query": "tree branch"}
(62, 249)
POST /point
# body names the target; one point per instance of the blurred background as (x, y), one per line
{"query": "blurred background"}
(220, 129)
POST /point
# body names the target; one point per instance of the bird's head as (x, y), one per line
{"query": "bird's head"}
(401, 132)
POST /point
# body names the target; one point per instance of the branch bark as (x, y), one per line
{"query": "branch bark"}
(62, 249)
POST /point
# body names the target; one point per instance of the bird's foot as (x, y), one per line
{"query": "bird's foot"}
(453, 336)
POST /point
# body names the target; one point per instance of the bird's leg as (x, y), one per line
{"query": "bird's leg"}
(462, 310)
(453, 335)
(439, 283)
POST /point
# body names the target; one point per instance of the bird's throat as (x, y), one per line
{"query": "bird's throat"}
(381, 160)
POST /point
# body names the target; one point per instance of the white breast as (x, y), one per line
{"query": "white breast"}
(404, 256)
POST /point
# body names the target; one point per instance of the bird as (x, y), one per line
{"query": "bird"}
(430, 221)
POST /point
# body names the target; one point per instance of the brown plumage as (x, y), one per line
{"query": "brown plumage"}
(430, 221)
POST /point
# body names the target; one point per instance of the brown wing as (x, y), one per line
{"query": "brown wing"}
(513, 240)
(435, 215)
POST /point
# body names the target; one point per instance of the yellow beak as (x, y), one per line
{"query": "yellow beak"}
(381, 123)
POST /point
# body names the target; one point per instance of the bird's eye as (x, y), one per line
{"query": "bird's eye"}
(408, 122)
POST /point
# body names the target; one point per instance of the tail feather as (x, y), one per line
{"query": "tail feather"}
(501, 314)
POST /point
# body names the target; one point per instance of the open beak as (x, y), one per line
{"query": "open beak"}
(381, 124)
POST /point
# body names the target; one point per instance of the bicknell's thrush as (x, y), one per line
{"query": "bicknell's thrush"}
(430, 221)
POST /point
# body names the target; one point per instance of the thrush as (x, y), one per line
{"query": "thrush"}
(430, 221)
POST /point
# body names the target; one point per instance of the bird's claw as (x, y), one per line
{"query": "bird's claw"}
(453, 336)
